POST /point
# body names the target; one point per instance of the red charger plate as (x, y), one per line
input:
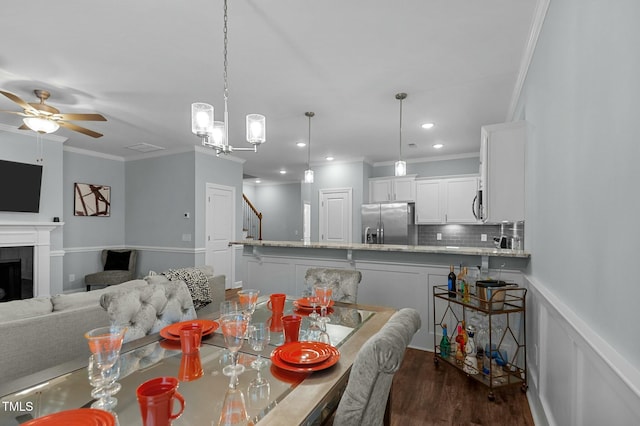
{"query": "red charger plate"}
(208, 327)
(329, 362)
(78, 417)
(305, 353)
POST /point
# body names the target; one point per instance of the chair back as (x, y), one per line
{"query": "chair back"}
(365, 399)
(132, 258)
(344, 281)
(147, 309)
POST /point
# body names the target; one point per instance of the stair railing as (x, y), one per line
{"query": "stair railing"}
(251, 219)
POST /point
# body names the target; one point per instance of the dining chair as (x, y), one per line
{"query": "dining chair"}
(367, 395)
(344, 281)
(146, 310)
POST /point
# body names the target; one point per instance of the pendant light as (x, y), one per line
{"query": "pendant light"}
(215, 134)
(308, 174)
(401, 166)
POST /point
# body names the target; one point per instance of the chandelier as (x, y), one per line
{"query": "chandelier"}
(215, 134)
(401, 166)
(308, 174)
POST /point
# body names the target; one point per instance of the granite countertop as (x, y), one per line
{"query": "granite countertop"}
(473, 251)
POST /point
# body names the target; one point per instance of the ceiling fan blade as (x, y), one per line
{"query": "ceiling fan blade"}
(72, 126)
(19, 101)
(24, 127)
(16, 113)
(81, 117)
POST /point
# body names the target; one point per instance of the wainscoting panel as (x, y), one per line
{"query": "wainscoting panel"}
(575, 377)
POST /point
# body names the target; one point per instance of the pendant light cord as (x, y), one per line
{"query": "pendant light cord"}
(309, 114)
(226, 82)
(400, 129)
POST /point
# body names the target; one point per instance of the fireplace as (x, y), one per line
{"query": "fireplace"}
(16, 273)
(30, 244)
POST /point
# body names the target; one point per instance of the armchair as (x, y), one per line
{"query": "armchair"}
(119, 266)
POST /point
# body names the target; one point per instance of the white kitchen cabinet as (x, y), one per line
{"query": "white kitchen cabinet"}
(502, 161)
(428, 200)
(446, 200)
(460, 193)
(392, 189)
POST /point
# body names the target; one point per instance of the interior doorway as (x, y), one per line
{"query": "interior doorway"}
(220, 230)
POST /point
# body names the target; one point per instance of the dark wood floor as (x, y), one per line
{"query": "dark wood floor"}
(426, 394)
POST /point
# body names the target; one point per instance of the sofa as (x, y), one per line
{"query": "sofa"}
(42, 332)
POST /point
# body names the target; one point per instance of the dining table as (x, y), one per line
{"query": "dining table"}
(303, 396)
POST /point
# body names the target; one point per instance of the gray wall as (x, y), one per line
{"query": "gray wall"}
(582, 168)
(436, 167)
(281, 208)
(85, 237)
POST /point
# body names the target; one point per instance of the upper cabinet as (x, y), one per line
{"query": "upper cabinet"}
(502, 163)
(446, 200)
(386, 189)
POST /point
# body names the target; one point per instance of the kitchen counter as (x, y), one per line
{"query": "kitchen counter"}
(471, 251)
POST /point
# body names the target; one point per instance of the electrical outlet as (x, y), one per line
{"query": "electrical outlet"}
(483, 237)
(186, 237)
(439, 236)
(72, 277)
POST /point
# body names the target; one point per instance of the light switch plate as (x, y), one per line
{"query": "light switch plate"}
(439, 236)
(483, 237)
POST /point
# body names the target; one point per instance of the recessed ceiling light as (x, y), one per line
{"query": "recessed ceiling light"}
(438, 145)
(283, 172)
(428, 125)
(258, 181)
(330, 158)
(301, 144)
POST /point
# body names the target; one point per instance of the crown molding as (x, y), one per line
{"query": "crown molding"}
(536, 26)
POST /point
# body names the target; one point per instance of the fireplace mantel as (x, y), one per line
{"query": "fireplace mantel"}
(37, 235)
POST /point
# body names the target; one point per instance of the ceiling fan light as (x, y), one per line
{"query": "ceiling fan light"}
(401, 168)
(201, 119)
(41, 125)
(308, 176)
(256, 129)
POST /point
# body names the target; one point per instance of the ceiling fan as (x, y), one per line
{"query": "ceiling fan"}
(44, 118)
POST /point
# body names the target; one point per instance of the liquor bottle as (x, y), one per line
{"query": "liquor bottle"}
(461, 283)
(460, 346)
(451, 282)
(445, 345)
(466, 291)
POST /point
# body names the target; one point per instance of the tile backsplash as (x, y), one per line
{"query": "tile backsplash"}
(464, 235)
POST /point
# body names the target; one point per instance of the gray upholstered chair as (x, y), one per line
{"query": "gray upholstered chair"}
(119, 266)
(344, 281)
(147, 309)
(366, 397)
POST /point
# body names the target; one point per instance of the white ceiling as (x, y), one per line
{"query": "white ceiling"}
(141, 63)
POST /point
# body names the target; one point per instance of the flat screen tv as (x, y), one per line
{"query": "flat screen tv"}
(20, 187)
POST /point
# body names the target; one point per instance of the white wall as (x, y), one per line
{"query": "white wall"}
(582, 176)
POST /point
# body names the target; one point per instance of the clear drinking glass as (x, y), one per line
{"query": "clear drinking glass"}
(324, 293)
(105, 344)
(259, 337)
(229, 307)
(234, 330)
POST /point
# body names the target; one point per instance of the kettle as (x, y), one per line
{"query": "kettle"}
(501, 242)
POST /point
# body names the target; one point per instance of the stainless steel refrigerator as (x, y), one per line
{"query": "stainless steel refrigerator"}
(389, 223)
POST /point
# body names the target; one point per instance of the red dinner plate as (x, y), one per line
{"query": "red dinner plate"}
(305, 353)
(329, 362)
(79, 417)
(208, 327)
(306, 311)
(287, 376)
(304, 303)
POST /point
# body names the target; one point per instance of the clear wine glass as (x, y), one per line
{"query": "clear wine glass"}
(310, 294)
(105, 344)
(234, 410)
(248, 300)
(259, 337)
(234, 330)
(317, 332)
(258, 395)
(104, 387)
(229, 307)
(324, 293)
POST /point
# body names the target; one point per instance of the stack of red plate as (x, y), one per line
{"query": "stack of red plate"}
(78, 417)
(305, 357)
(304, 305)
(172, 332)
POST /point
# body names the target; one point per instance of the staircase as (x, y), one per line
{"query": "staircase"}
(251, 220)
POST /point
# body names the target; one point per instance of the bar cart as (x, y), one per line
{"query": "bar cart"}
(498, 317)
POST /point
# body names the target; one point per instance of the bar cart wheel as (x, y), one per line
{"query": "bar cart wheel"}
(491, 396)
(436, 361)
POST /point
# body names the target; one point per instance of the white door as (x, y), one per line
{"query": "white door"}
(220, 230)
(335, 216)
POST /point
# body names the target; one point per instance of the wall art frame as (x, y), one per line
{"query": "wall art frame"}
(91, 200)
